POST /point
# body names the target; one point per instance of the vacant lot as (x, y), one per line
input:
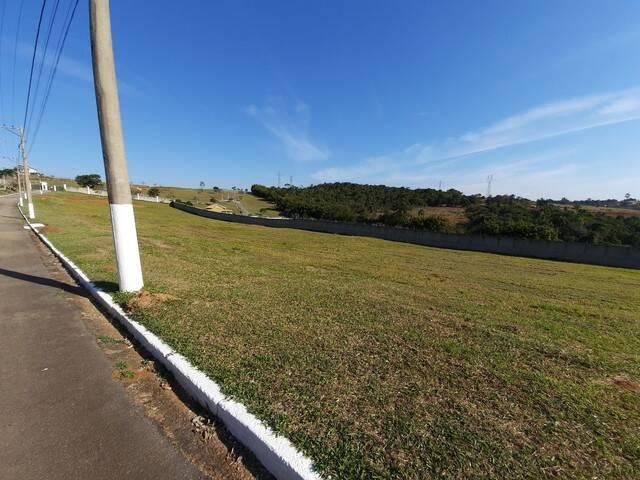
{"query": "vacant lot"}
(454, 215)
(201, 197)
(258, 206)
(388, 360)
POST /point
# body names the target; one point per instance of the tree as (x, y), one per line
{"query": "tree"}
(201, 186)
(92, 180)
(153, 192)
(627, 196)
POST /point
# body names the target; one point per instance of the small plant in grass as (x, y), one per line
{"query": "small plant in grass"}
(123, 370)
(108, 340)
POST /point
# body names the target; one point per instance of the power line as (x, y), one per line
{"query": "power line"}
(33, 61)
(60, 47)
(43, 58)
(15, 57)
(2, 15)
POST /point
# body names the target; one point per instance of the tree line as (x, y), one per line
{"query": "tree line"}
(359, 203)
(512, 216)
(506, 215)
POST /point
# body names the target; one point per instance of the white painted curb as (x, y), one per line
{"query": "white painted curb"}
(276, 453)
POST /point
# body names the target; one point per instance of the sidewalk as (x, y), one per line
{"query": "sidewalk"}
(62, 416)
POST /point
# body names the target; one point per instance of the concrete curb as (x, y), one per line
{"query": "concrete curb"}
(276, 453)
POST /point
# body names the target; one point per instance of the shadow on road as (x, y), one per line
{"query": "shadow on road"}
(49, 282)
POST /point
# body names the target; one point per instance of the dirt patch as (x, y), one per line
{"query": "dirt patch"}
(155, 243)
(50, 229)
(145, 299)
(626, 383)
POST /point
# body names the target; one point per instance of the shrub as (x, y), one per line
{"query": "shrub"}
(92, 180)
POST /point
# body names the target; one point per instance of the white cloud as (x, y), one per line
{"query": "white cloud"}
(292, 131)
(542, 122)
(622, 106)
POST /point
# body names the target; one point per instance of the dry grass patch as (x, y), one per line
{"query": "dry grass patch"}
(145, 300)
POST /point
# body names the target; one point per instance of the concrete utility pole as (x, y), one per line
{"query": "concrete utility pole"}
(20, 202)
(125, 238)
(25, 173)
(19, 132)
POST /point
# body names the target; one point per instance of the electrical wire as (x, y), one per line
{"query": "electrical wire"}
(15, 57)
(60, 47)
(43, 61)
(33, 61)
(3, 12)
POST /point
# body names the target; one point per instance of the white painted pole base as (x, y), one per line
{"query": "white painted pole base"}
(125, 241)
(32, 213)
(20, 202)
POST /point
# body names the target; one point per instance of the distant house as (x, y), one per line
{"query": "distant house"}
(32, 171)
(217, 208)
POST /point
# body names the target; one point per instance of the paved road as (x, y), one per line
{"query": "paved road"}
(62, 416)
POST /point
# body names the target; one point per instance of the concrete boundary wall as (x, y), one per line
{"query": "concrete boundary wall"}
(276, 453)
(103, 193)
(613, 256)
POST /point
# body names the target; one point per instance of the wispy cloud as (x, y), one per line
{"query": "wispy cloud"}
(291, 129)
(542, 122)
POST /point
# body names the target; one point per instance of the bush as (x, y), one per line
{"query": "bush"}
(153, 192)
(92, 180)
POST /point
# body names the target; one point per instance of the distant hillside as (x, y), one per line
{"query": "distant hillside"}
(452, 211)
(366, 203)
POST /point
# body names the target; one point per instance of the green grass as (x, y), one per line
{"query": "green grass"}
(253, 204)
(389, 360)
(197, 196)
(258, 206)
(108, 340)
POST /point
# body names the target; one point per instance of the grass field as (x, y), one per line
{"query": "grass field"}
(388, 360)
(258, 206)
(253, 204)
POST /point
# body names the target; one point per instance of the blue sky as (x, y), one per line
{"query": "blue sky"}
(545, 96)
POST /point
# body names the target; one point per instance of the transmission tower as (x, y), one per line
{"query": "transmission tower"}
(489, 182)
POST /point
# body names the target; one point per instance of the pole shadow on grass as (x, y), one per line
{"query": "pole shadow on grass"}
(48, 282)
